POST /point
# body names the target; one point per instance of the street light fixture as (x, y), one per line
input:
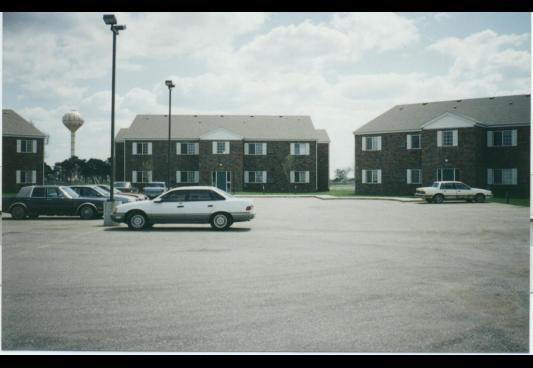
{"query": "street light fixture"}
(111, 21)
(170, 85)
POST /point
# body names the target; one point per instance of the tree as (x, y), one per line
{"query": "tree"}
(341, 175)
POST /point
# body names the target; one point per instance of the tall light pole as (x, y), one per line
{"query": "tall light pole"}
(111, 21)
(170, 85)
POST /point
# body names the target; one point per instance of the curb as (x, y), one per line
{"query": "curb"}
(327, 198)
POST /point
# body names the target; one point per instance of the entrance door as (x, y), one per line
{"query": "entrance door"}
(447, 174)
(222, 180)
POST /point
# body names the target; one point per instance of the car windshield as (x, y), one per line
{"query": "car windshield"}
(121, 184)
(70, 192)
(224, 192)
(102, 191)
(158, 184)
(435, 184)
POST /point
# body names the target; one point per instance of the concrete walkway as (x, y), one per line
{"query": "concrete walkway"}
(329, 197)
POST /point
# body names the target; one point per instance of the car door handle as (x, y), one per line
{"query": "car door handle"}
(210, 205)
(181, 206)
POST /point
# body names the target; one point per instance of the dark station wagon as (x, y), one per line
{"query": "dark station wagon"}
(53, 200)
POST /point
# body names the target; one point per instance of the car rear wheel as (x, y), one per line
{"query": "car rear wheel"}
(221, 221)
(438, 198)
(87, 213)
(480, 198)
(18, 212)
(137, 221)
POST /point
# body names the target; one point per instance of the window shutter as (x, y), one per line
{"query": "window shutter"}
(34, 176)
(490, 138)
(134, 148)
(18, 177)
(178, 148)
(214, 147)
(379, 143)
(226, 147)
(363, 143)
(409, 141)
(363, 176)
(307, 176)
(292, 150)
(134, 176)
(439, 138)
(247, 148)
(178, 176)
(514, 176)
(292, 176)
(34, 146)
(514, 137)
(455, 137)
(379, 176)
(265, 177)
(246, 176)
(150, 175)
(150, 148)
(196, 148)
(18, 147)
(196, 176)
(490, 176)
(307, 149)
(408, 176)
(264, 148)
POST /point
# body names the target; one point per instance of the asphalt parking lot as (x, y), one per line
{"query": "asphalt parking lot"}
(306, 275)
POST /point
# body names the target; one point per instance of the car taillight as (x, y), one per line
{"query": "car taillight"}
(249, 208)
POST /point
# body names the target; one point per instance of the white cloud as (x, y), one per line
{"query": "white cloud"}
(439, 17)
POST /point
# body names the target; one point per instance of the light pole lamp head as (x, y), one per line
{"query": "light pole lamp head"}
(170, 84)
(110, 19)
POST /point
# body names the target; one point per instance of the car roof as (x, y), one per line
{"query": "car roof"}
(196, 187)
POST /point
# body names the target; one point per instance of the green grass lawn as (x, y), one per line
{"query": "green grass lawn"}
(524, 202)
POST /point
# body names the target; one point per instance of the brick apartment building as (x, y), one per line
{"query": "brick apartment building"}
(22, 152)
(484, 142)
(233, 152)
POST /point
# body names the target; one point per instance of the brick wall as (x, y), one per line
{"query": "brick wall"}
(13, 161)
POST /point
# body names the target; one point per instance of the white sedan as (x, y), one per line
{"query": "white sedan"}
(186, 205)
(446, 190)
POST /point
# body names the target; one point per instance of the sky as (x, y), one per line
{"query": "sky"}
(341, 69)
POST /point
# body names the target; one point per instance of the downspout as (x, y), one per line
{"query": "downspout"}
(316, 165)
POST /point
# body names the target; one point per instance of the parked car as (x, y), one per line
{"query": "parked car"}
(186, 205)
(125, 186)
(450, 190)
(137, 196)
(94, 191)
(58, 200)
(154, 188)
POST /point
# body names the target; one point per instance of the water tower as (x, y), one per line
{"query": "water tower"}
(73, 121)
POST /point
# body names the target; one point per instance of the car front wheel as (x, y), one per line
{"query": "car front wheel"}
(137, 221)
(18, 212)
(438, 198)
(87, 213)
(480, 198)
(221, 221)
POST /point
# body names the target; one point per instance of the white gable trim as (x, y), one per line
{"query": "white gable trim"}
(450, 120)
(221, 134)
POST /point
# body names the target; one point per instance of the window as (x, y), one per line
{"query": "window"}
(175, 196)
(461, 186)
(141, 148)
(187, 148)
(54, 193)
(447, 138)
(299, 176)
(299, 149)
(255, 149)
(26, 176)
(502, 138)
(38, 192)
(371, 176)
(141, 176)
(221, 148)
(502, 176)
(187, 176)
(26, 146)
(447, 186)
(414, 141)
(414, 176)
(447, 174)
(372, 143)
(255, 177)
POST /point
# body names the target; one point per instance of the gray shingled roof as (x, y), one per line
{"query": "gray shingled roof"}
(15, 125)
(489, 111)
(250, 127)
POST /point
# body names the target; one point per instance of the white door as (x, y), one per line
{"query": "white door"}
(171, 208)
